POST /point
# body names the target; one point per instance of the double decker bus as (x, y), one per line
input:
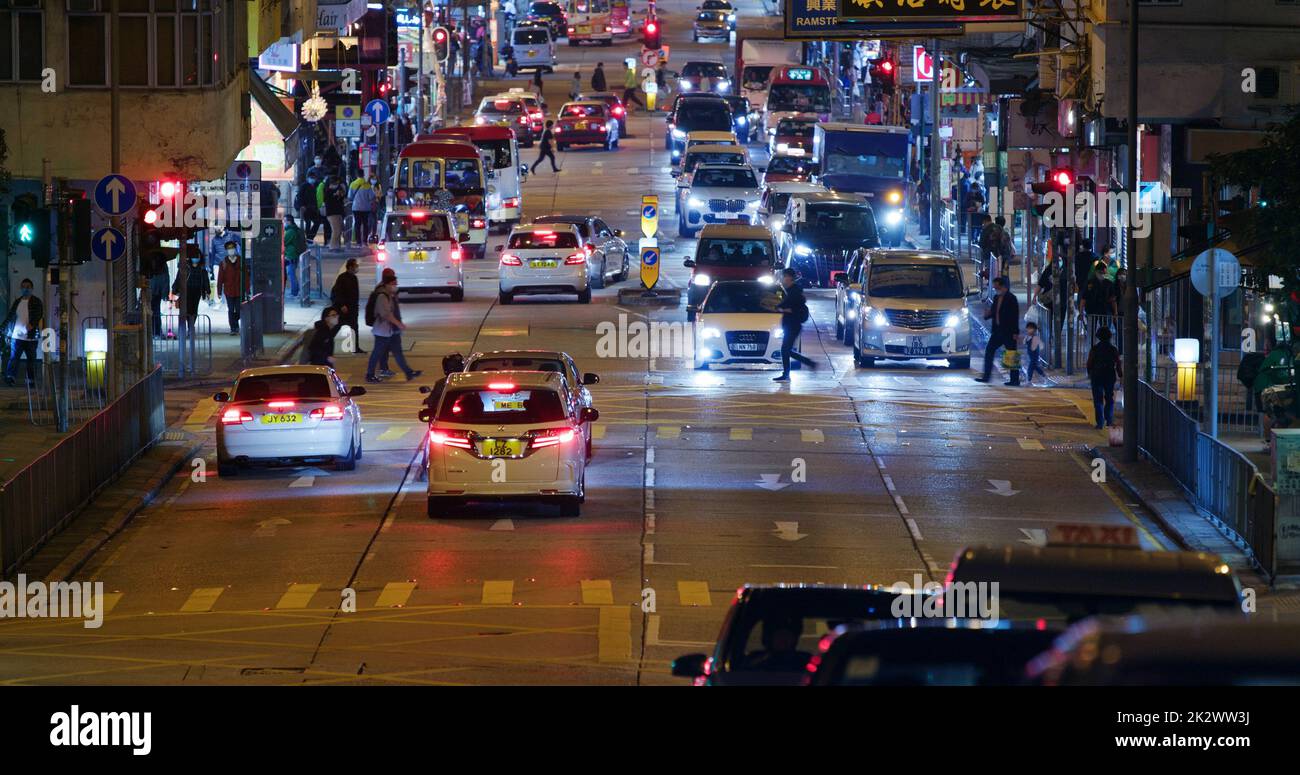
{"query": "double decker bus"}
(796, 89)
(591, 21)
(445, 173)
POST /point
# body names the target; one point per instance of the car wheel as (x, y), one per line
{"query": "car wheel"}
(570, 506)
(226, 469)
(860, 360)
(584, 296)
(348, 463)
(627, 262)
(599, 279)
(959, 363)
(505, 297)
(458, 294)
(839, 328)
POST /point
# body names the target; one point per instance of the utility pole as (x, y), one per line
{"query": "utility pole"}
(935, 157)
(61, 402)
(116, 311)
(1130, 318)
(419, 75)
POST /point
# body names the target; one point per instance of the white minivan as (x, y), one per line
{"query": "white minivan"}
(422, 247)
(534, 49)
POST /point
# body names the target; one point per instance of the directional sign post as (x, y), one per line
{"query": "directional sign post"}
(649, 216)
(378, 111)
(108, 244)
(114, 195)
(649, 249)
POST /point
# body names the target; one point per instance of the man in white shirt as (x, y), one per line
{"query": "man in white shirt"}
(23, 328)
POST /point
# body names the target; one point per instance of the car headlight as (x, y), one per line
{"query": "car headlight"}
(731, 17)
(766, 280)
(952, 321)
(695, 201)
(722, 85)
(777, 221)
(894, 197)
(702, 280)
(782, 147)
(893, 217)
(740, 120)
(751, 205)
(880, 320)
(678, 134)
(778, 333)
(802, 250)
(684, 85)
(709, 332)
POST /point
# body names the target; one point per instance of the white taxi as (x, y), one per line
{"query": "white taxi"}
(738, 324)
(506, 436)
(421, 246)
(288, 415)
(544, 258)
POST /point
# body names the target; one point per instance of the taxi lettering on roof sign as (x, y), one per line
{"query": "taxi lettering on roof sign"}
(799, 74)
(1094, 535)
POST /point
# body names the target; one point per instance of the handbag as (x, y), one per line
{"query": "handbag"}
(1011, 358)
(1116, 435)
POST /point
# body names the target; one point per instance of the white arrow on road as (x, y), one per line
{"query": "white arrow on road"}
(503, 524)
(772, 482)
(788, 531)
(267, 527)
(1034, 536)
(116, 188)
(1001, 487)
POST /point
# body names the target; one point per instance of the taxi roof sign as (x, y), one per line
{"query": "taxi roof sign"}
(1067, 534)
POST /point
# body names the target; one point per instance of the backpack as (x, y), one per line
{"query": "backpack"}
(803, 314)
(370, 307)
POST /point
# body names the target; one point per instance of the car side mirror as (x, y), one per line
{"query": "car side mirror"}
(221, 397)
(523, 170)
(618, 233)
(425, 389)
(689, 263)
(425, 415)
(462, 236)
(588, 414)
(590, 379)
(355, 392)
(690, 665)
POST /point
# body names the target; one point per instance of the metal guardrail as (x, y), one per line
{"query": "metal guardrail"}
(166, 346)
(87, 391)
(1220, 480)
(40, 499)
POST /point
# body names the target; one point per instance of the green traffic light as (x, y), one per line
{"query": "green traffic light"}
(26, 233)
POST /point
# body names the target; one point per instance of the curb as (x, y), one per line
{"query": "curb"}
(79, 556)
(1155, 511)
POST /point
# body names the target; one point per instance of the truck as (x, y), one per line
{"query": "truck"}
(871, 161)
(760, 48)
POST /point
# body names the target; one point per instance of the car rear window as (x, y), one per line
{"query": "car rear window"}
(517, 363)
(734, 252)
(740, 177)
(583, 110)
(695, 159)
(408, 228)
(534, 35)
(786, 128)
(581, 225)
(791, 165)
(542, 240)
(280, 386)
(705, 118)
(501, 407)
(501, 106)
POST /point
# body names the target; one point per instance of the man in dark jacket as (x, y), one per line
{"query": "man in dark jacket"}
(598, 77)
(197, 286)
(319, 347)
(346, 296)
(230, 282)
(22, 327)
(1004, 317)
(794, 313)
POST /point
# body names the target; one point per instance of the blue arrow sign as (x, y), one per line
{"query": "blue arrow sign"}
(114, 195)
(649, 256)
(378, 111)
(649, 211)
(108, 244)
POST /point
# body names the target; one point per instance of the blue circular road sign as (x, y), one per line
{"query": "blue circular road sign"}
(649, 256)
(114, 195)
(108, 244)
(378, 111)
(649, 211)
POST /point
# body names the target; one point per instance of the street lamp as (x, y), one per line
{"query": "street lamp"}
(1187, 353)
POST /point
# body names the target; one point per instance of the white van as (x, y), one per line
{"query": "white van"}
(421, 247)
(534, 49)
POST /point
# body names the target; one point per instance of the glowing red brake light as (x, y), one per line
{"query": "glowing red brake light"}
(459, 439)
(417, 215)
(510, 259)
(328, 412)
(280, 404)
(235, 416)
(381, 255)
(511, 202)
(506, 387)
(576, 258)
(590, 248)
(618, 110)
(478, 223)
(543, 233)
(552, 437)
(455, 252)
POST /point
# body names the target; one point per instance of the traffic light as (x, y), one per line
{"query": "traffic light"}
(1058, 180)
(441, 44)
(153, 256)
(80, 231)
(883, 74)
(31, 228)
(653, 33)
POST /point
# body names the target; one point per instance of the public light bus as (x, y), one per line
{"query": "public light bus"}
(620, 17)
(590, 20)
(500, 151)
(445, 173)
(796, 89)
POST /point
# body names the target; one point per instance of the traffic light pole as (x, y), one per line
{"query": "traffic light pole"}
(935, 160)
(419, 77)
(1130, 317)
(115, 311)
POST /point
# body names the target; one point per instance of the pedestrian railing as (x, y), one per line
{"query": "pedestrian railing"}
(251, 327)
(42, 498)
(87, 391)
(1083, 335)
(196, 360)
(1220, 480)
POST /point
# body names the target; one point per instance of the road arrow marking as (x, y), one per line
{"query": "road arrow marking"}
(772, 482)
(303, 481)
(268, 527)
(788, 531)
(1034, 536)
(503, 524)
(1001, 487)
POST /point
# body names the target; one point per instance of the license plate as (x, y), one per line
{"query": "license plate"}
(501, 447)
(545, 264)
(745, 346)
(416, 255)
(917, 347)
(580, 125)
(584, 28)
(532, 53)
(281, 419)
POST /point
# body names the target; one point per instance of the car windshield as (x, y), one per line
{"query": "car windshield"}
(756, 76)
(407, 228)
(499, 150)
(694, 160)
(741, 177)
(864, 164)
(517, 363)
(791, 165)
(788, 128)
(546, 9)
(803, 97)
(463, 175)
(734, 252)
(743, 297)
(839, 221)
(782, 638)
(581, 225)
(543, 240)
(501, 407)
(710, 16)
(532, 35)
(426, 173)
(704, 70)
(269, 387)
(915, 281)
(722, 4)
(705, 118)
(502, 107)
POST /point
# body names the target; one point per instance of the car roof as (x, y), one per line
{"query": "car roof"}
(556, 354)
(560, 218)
(1203, 639)
(830, 196)
(794, 187)
(262, 371)
(601, 103)
(529, 379)
(715, 166)
(911, 256)
(710, 134)
(713, 147)
(734, 231)
(548, 226)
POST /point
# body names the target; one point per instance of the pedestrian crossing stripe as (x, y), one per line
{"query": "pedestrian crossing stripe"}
(111, 599)
(1030, 444)
(811, 436)
(597, 432)
(694, 593)
(614, 634)
(742, 434)
(959, 440)
(498, 592)
(668, 431)
(297, 596)
(394, 433)
(201, 599)
(885, 437)
(597, 592)
(395, 594)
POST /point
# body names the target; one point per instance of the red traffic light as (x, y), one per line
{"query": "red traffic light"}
(1062, 177)
(439, 35)
(651, 27)
(167, 189)
(887, 66)
(150, 217)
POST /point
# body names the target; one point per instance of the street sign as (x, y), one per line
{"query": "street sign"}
(650, 215)
(378, 111)
(347, 128)
(108, 244)
(922, 65)
(649, 249)
(243, 178)
(649, 57)
(347, 112)
(1226, 267)
(114, 195)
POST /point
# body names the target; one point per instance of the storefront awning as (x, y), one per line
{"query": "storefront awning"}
(282, 117)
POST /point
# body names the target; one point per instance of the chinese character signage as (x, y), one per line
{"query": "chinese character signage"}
(930, 10)
(808, 19)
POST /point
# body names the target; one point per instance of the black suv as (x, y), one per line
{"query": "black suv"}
(695, 113)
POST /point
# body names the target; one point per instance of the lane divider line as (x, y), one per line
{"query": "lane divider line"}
(742, 434)
(916, 531)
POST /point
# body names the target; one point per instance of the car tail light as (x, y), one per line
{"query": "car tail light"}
(280, 404)
(510, 259)
(550, 437)
(543, 232)
(478, 223)
(576, 258)
(523, 119)
(504, 387)
(618, 111)
(458, 439)
(417, 215)
(590, 248)
(328, 412)
(381, 255)
(235, 416)
(571, 30)
(511, 202)
(455, 252)
(608, 28)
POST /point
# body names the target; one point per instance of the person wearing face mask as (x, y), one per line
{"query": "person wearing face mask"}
(319, 350)
(346, 296)
(387, 329)
(334, 201)
(230, 281)
(195, 287)
(22, 327)
(364, 199)
(305, 202)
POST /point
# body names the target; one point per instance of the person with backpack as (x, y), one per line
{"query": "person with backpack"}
(346, 297)
(598, 78)
(991, 246)
(318, 346)
(384, 316)
(794, 313)
(1104, 370)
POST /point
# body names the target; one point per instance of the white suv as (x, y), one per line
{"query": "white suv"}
(421, 246)
(507, 435)
(544, 258)
(719, 193)
(911, 305)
